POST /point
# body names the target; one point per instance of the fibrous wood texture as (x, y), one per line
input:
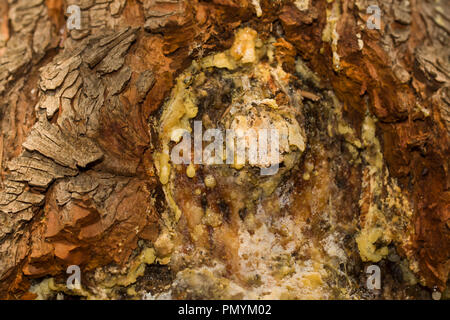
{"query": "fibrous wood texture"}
(80, 120)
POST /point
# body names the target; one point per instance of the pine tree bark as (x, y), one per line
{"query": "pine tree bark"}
(80, 111)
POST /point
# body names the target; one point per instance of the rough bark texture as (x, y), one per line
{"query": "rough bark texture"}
(80, 120)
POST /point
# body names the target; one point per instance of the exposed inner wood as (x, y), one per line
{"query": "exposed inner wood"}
(87, 126)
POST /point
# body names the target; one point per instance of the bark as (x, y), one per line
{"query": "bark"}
(82, 123)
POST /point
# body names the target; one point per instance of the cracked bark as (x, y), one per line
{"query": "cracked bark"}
(79, 184)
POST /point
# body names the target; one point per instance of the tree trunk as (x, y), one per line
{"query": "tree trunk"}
(87, 116)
